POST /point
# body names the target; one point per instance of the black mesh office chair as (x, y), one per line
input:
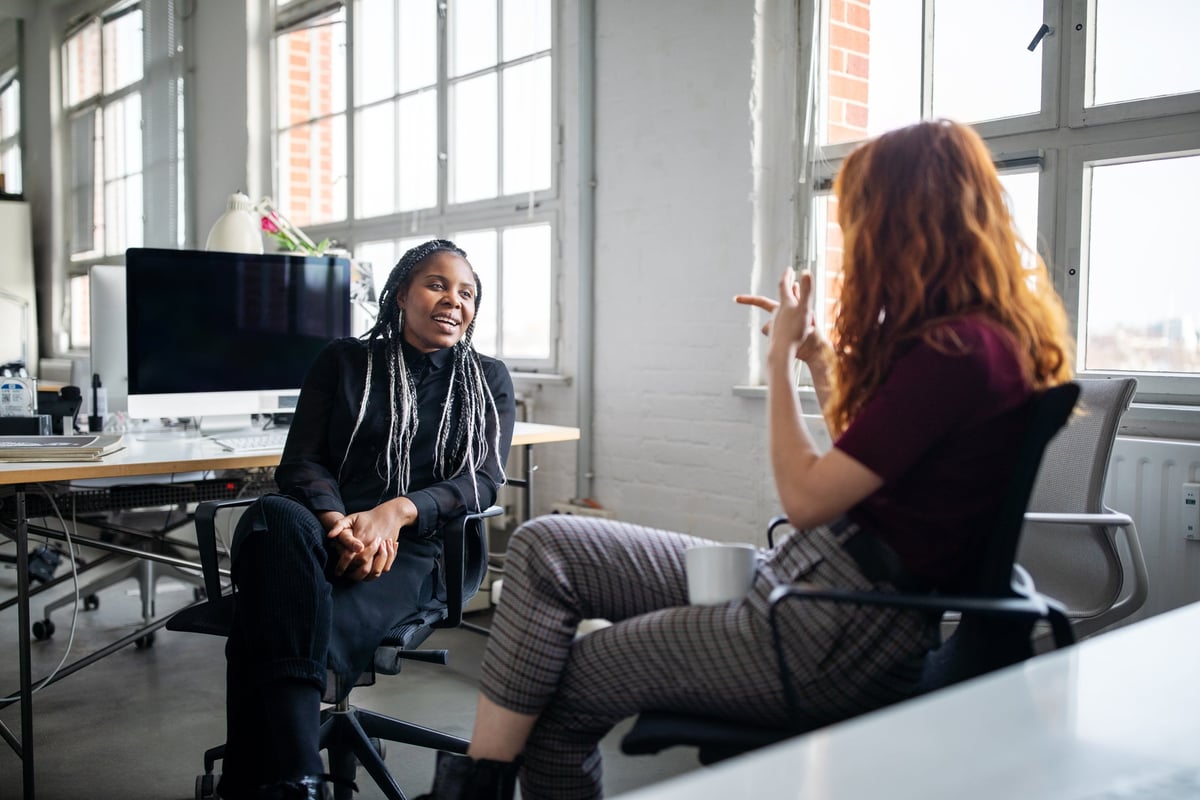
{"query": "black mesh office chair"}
(996, 627)
(347, 732)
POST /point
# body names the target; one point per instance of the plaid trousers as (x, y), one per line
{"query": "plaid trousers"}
(663, 654)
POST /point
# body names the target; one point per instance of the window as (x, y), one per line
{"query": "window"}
(122, 97)
(1115, 147)
(109, 103)
(402, 120)
(10, 134)
(872, 78)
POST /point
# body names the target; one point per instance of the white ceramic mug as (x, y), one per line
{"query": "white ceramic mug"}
(719, 573)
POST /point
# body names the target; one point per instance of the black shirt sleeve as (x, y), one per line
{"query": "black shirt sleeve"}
(443, 500)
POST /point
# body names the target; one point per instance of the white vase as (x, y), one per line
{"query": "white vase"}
(238, 230)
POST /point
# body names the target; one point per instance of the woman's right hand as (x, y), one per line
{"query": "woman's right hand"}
(811, 348)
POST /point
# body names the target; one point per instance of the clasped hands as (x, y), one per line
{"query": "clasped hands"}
(792, 330)
(366, 540)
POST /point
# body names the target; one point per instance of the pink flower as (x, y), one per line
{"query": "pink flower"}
(269, 225)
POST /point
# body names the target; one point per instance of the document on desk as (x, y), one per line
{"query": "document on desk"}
(90, 447)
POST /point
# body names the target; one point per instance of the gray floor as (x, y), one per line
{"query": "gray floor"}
(135, 724)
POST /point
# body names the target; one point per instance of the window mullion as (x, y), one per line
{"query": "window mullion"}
(499, 100)
(927, 12)
(443, 111)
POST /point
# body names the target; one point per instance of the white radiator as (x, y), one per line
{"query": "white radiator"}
(1145, 480)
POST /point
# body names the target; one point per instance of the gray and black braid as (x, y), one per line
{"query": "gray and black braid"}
(461, 447)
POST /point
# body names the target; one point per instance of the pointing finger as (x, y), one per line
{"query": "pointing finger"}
(765, 303)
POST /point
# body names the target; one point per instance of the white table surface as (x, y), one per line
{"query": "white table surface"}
(1117, 716)
(158, 453)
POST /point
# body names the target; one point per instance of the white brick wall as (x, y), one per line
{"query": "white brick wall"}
(673, 447)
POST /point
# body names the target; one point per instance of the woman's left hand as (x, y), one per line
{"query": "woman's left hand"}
(368, 538)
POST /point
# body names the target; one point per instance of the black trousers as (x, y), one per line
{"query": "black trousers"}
(295, 623)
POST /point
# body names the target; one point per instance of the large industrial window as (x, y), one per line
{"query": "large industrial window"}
(1090, 108)
(401, 120)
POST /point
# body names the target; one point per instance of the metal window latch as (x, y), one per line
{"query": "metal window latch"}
(1042, 33)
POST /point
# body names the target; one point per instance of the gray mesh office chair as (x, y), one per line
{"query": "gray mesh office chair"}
(1070, 543)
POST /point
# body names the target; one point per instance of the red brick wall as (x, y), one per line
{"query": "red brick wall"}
(308, 162)
(849, 62)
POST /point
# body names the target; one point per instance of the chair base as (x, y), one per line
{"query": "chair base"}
(347, 733)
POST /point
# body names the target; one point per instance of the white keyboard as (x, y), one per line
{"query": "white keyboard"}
(247, 442)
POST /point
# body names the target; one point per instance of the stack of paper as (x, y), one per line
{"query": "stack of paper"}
(89, 447)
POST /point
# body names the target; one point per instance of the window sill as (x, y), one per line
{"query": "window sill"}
(540, 378)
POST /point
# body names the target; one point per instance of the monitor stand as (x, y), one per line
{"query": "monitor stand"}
(223, 423)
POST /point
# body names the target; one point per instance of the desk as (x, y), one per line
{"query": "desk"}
(161, 455)
(1117, 716)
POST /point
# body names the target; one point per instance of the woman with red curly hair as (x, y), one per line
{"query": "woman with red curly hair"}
(946, 326)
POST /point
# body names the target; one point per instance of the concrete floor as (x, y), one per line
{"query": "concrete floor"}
(135, 724)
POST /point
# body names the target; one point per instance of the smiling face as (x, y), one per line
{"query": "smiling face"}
(439, 302)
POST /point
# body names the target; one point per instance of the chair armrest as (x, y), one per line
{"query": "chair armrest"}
(455, 554)
(776, 521)
(1110, 518)
(1026, 604)
(1036, 606)
(206, 540)
(1113, 519)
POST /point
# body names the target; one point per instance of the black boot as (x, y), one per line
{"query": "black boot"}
(306, 787)
(463, 778)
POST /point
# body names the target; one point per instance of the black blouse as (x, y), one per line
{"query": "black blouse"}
(311, 468)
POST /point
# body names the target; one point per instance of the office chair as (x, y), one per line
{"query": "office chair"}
(1070, 544)
(351, 734)
(995, 630)
(147, 574)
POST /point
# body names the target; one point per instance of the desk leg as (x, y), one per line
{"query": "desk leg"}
(530, 468)
(23, 624)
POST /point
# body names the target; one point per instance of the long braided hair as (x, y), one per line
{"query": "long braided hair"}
(461, 443)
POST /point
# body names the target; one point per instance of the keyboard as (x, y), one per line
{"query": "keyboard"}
(249, 442)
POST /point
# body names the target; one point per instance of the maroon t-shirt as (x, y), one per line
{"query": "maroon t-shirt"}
(942, 431)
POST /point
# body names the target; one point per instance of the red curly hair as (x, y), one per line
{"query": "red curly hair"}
(928, 237)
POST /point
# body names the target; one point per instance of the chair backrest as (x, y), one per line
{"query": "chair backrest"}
(1076, 462)
(1079, 565)
(1047, 413)
(984, 642)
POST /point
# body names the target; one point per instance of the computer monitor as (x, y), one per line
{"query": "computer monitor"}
(109, 359)
(218, 334)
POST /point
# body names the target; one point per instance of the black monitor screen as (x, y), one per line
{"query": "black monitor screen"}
(219, 322)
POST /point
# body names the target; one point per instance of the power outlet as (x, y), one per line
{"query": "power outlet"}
(1191, 511)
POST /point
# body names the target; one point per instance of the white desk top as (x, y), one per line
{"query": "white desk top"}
(1115, 717)
(164, 453)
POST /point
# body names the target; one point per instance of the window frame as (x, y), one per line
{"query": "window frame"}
(1083, 49)
(14, 142)
(96, 106)
(1071, 142)
(1174, 388)
(445, 217)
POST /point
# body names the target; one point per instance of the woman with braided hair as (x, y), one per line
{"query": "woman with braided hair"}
(395, 433)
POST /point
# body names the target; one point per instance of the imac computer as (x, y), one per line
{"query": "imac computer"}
(214, 334)
(106, 309)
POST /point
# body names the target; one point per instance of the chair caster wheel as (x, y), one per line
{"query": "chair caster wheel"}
(379, 746)
(43, 629)
(91, 602)
(199, 594)
(206, 786)
(144, 642)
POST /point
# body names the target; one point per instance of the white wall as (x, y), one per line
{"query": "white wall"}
(674, 227)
